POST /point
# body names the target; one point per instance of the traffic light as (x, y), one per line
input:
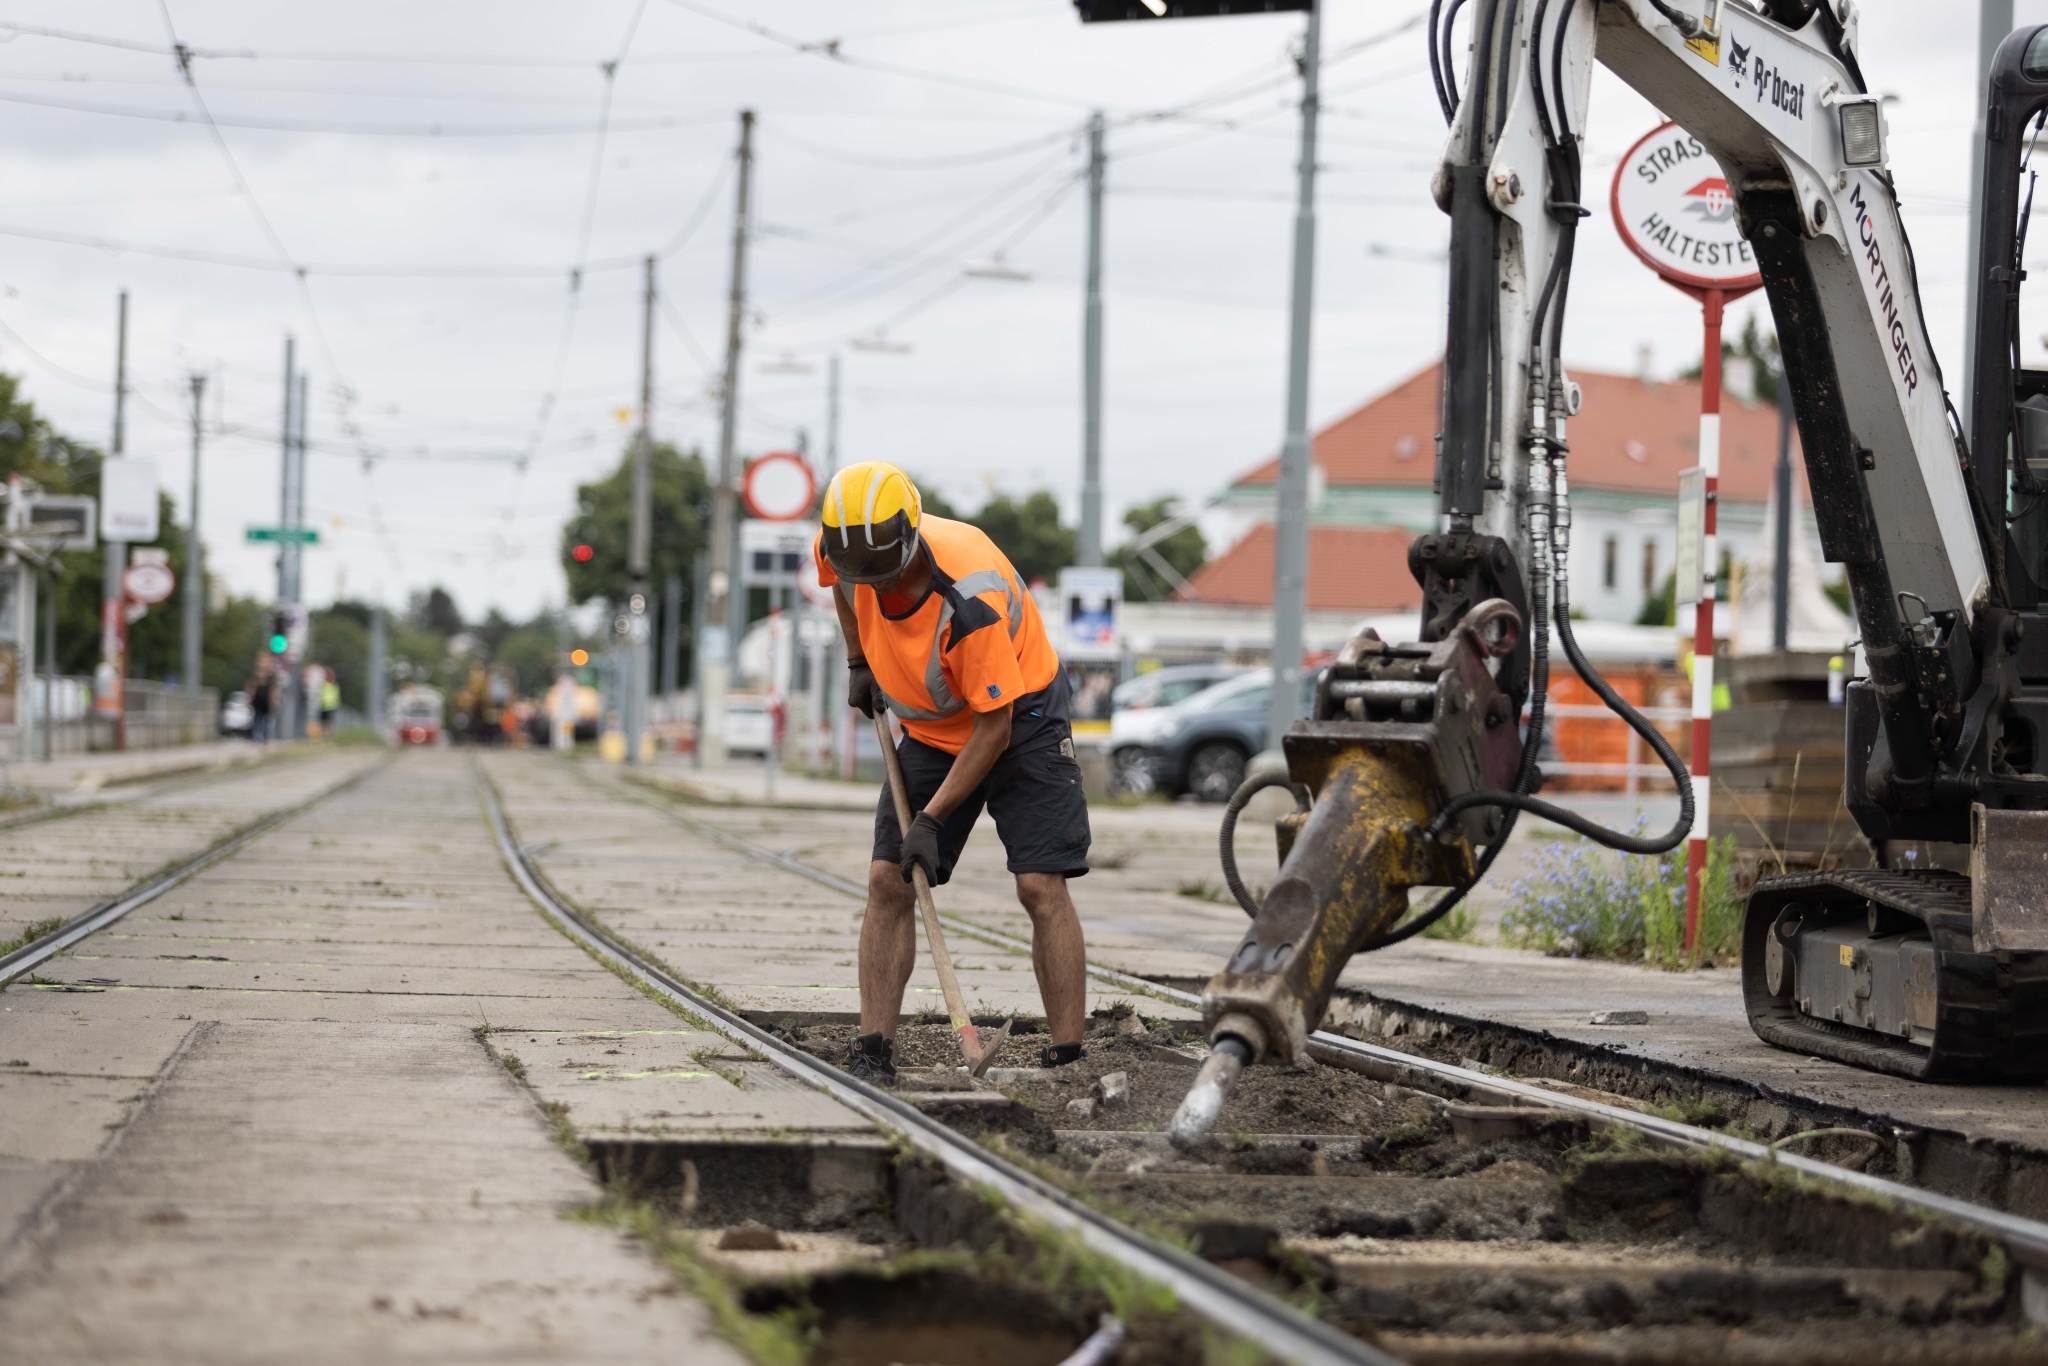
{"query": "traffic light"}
(579, 657)
(280, 632)
(582, 554)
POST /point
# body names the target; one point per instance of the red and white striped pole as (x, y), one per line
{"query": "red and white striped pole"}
(1703, 617)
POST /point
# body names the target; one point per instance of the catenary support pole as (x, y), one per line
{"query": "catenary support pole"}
(1089, 552)
(1788, 514)
(1703, 618)
(110, 691)
(671, 641)
(1994, 21)
(194, 601)
(49, 667)
(1291, 523)
(640, 546)
(715, 647)
(380, 667)
(287, 686)
(304, 705)
(700, 573)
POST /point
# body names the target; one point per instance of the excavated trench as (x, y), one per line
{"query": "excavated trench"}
(1442, 1232)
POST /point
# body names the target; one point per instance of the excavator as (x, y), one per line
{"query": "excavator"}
(1411, 770)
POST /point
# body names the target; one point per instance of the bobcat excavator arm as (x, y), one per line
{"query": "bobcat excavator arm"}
(1413, 753)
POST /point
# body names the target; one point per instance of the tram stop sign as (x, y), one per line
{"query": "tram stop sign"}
(1671, 205)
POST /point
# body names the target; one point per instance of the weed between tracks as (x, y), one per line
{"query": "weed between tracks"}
(30, 935)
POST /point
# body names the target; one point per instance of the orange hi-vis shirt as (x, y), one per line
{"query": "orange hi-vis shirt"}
(973, 643)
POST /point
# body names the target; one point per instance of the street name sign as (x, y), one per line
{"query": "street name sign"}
(289, 535)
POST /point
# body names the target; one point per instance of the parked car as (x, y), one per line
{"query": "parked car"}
(1143, 706)
(748, 726)
(237, 717)
(1209, 739)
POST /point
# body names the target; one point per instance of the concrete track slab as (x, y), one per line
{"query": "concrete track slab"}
(340, 1195)
(768, 939)
(60, 868)
(335, 1167)
(59, 1118)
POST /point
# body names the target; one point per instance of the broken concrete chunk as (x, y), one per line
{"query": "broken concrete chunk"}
(751, 1237)
(1113, 1089)
(1082, 1107)
(1130, 1024)
(1010, 1076)
(1621, 1017)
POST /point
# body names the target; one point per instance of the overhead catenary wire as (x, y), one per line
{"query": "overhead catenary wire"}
(248, 194)
(572, 306)
(471, 58)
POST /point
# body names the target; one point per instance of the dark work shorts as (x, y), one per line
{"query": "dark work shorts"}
(1034, 794)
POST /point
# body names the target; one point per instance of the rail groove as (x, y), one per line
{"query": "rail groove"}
(2026, 1239)
(36, 951)
(1217, 1296)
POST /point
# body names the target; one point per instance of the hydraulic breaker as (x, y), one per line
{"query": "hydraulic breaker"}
(1398, 730)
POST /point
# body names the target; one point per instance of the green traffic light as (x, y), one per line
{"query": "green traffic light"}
(278, 645)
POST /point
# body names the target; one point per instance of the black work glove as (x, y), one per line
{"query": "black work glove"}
(863, 694)
(921, 846)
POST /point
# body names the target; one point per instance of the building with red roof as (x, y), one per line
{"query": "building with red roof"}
(1372, 489)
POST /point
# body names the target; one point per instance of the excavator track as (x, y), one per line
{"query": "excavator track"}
(1985, 1017)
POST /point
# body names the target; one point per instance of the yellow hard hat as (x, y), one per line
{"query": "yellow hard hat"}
(871, 516)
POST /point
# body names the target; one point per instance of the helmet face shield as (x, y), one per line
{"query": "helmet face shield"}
(871, 553)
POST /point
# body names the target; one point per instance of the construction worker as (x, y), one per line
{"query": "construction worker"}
(940, 631)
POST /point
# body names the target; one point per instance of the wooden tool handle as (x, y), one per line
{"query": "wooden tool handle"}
(942, 961)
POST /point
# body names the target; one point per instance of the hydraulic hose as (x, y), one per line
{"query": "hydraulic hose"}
(1572, 820)
(1226, 836)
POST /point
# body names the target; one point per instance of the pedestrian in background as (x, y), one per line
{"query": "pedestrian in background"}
(330, 702)
(258, 688)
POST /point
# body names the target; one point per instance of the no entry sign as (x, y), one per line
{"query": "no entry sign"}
(1672, 207)
(779, 487)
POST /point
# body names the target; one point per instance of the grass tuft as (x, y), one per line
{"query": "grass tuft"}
(31, 934)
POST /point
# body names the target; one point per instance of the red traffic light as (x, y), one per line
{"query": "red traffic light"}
(582, 554)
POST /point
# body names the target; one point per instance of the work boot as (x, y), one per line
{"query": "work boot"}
(1059, 1055)
(872, 1058)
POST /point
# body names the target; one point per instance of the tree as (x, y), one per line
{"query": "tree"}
(533, 653)
(680, 495)
(1755, 345)
(934, 502)
(1028, 533)
(233, 639)
(434, 611)
(342, 643)
(1184, 551)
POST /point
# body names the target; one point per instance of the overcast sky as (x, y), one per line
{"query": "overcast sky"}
(389, 148)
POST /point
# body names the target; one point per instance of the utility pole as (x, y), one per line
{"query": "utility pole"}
(309, 697)
(195, 568)
(715, 649)
(1291, 528)
(287, 686)
(671, 637)
(1090, 551)
(1994, 21)
(639, 551)
(380, 670)
(832, 418)
(110, 692)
